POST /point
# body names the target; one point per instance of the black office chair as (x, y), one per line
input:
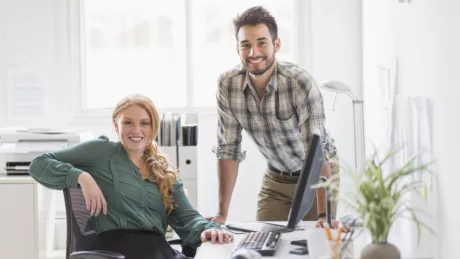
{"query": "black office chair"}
(81, 234)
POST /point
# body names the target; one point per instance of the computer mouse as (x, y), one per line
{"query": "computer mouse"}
(246, 254)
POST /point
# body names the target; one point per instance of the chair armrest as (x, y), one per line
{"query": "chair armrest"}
(96, 254)
(186, 250)
(175, 242)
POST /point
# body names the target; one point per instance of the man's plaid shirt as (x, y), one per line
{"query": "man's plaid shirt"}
(281, 124)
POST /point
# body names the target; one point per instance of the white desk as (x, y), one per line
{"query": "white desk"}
(217, 251)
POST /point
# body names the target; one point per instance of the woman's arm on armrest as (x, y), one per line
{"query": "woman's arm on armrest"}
(60, 169)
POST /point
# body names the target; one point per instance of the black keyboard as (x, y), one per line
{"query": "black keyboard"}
(265, 243)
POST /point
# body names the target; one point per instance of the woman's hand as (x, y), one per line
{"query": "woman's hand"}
(216, 236)
(95, 201)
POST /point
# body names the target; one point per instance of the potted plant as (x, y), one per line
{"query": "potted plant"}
(380, 198)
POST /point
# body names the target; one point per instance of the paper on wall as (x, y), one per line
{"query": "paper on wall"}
(26, 93)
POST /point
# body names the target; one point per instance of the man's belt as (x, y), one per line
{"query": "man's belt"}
(295, 173)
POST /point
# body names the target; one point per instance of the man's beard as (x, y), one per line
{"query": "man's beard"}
(261, 71)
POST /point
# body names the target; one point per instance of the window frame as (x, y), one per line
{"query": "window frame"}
(302, 48)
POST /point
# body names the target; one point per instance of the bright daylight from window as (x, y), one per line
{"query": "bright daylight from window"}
(140, 47)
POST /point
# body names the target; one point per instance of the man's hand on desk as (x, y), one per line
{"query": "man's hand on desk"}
(216, 236)
(219, 219)
(335, 224)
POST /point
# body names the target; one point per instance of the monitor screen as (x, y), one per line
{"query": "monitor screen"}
(309, 175)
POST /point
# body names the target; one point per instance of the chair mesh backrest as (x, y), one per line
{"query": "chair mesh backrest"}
(81, 234)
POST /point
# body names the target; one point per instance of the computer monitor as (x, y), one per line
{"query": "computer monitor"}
(304, 194)
(310, 174)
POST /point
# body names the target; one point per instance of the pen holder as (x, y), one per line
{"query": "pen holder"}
(340, 249)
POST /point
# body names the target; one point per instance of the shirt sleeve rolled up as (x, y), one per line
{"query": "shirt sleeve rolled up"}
(228, 129)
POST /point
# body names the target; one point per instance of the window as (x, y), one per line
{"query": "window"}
(173, 52)
(134, 46)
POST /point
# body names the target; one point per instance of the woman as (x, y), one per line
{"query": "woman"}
(129, 186)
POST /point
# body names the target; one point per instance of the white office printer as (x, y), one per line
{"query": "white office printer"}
(18, 147)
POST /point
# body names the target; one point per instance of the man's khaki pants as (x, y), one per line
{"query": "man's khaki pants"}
(275, 197)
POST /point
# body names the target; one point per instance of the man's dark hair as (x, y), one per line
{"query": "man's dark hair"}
(253, 16)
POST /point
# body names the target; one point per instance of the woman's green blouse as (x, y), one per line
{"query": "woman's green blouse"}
(132, 202)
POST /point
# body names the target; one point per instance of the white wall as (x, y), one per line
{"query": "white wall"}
(34, 35)
(336, 55)
(425, 37)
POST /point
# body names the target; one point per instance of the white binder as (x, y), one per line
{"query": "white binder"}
(187, 163)
(188, 171)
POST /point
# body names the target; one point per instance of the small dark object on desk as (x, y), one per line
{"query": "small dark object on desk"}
(302, 242)
(299, 251)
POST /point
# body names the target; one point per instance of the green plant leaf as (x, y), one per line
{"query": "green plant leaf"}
(414, 186)
(398, 174)
(419, 224)
(389, 155)
(380, 200)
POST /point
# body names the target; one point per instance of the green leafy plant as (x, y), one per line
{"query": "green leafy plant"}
(380, 198)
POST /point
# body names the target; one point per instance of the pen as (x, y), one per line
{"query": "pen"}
(352, 232)
(328, 206)
(345, 236)
(328, 232)
(339, 232)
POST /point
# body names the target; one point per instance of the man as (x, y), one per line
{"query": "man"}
(280, 106)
